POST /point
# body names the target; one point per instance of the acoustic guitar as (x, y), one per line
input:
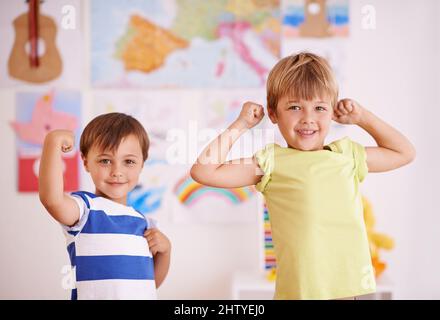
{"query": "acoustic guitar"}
(30, 66)
(315, 21)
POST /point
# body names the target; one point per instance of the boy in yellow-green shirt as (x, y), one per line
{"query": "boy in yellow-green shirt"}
(311, 189)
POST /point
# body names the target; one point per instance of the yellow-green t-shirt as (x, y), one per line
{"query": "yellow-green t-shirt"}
(316, 215)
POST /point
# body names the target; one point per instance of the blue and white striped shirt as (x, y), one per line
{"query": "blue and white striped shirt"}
(108, 252)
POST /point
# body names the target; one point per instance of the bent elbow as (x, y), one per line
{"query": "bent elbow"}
(410, 155)
(194, 173)
(44, 199)
(197, 174)
(49, 205)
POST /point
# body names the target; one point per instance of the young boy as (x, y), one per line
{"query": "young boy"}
(115, 251)
(311, 189)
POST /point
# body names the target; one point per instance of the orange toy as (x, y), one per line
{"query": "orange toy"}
(377, 240)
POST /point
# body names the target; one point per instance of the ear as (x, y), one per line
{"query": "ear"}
(84, 159)
(272, 115)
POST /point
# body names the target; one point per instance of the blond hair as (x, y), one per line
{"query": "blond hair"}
(302, 76)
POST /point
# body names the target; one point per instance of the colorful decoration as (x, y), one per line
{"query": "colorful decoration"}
(145, 39)
(36, 116)
(44, 119)
(145, 200)
(181, 44)
(189, 192)
(269, 255)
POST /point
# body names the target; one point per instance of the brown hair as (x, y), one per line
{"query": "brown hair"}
(107, 131)
(302, 76)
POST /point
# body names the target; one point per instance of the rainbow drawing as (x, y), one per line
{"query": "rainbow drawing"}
(189, 192)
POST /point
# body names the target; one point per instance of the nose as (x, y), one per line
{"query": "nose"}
(116, 172)
(307, 117)
(116, 175)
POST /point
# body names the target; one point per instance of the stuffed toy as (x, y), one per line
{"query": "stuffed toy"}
(377, 240)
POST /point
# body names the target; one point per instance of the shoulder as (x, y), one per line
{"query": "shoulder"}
(84, 201)
(354, 151)
(265, 159)
(340, 146)
(346, 146)
(87, 197)
(268, 148)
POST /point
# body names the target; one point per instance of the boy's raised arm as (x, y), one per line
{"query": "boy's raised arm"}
(211, 169)
(50, 181)
(393, 149)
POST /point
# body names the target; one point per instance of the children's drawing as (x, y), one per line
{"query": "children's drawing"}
(145, 200)
(44, 118)
(36, 115)
(190, 192)
(196, 203)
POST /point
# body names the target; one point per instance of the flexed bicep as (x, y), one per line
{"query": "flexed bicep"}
(232, 174)
(381, 159)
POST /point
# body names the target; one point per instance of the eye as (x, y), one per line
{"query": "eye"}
(295, 108)
(104, 161)
(130, 162)
(319, 108)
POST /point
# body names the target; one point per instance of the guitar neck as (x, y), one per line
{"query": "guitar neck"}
(33, 32)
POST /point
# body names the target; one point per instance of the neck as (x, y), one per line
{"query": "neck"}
(321, 147)
(122, 200)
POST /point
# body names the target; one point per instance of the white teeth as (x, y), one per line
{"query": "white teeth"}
(306, 132)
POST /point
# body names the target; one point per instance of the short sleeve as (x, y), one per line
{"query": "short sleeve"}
(265, 160)
(83, 206)
(353, 150)
(151, 223)
(360, 158)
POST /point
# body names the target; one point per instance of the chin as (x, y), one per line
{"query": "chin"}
(113, 195)
(305, 147)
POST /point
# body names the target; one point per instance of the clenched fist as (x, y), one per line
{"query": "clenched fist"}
(251, 114)
(65, 139)
(348, 111)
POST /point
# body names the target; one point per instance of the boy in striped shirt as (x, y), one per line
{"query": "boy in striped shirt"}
(115, 252)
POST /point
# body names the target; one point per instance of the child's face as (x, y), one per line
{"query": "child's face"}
(115, 173)
(303, 124)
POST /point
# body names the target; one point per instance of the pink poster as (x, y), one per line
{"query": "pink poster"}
(36, 115)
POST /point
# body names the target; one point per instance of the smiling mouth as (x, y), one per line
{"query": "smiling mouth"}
(306, 133)
(116, 183)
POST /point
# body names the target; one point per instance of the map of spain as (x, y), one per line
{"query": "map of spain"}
(184, 43)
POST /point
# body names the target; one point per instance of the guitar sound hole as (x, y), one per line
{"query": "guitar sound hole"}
(41, 47)
(314, 8)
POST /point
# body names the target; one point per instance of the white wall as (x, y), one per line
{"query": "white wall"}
(394, 73)
(393, 70)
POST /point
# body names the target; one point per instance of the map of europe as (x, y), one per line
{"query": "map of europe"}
(184, 43)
